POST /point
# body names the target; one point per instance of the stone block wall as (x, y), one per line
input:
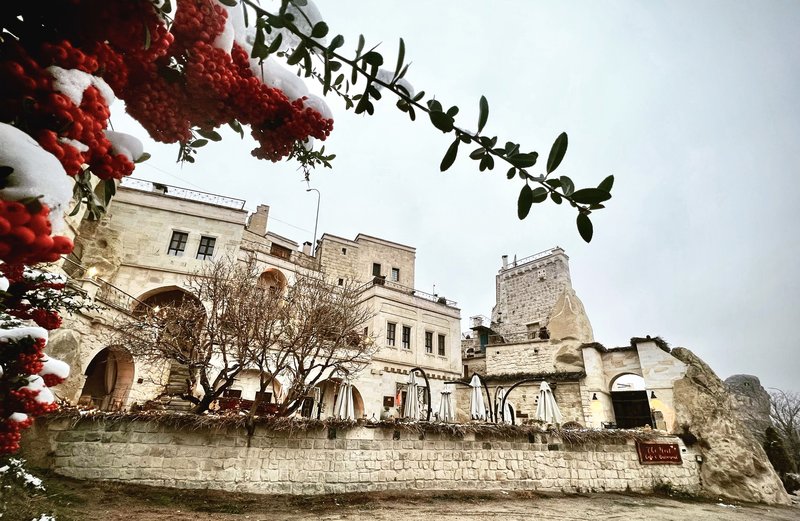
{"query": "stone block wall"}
(537, 356)
(357, 460)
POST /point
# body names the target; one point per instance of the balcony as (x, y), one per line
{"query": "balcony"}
(394, 286)
(182, 193)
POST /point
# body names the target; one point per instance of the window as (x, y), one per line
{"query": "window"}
(390, 331)
(280, 251)
(366, 331)
(441, 345)
(177, 244)
(376, 269)
(407, 337)
(344, 251)
(396, 274)
(206, 249)
(341, 282)
(428, 342)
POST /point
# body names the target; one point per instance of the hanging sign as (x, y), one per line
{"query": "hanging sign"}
(658, 453)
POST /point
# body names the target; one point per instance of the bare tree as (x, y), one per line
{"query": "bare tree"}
(228, 322)
(209, 331)
(785, 415)
(317, 332)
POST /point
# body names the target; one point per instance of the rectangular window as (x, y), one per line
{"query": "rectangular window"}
(280, 251)
(344, 251)
(341, 282)
(396, 274)
(407, 337)
(177, 244)
(441, 345)
(390, 331)
(206, 249)
(376, 269)
(428, 342)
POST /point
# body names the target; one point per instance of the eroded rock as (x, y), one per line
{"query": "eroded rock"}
(734, 463)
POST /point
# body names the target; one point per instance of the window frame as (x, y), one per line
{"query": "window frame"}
(394, 275)
(174, 251)
(442, 345)
(429, 342)
(405, 339)
(379, 267)
(206, 256)
(391, 334)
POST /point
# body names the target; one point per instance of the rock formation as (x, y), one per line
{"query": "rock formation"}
(751, 402)
(734, 463)
(569, 324)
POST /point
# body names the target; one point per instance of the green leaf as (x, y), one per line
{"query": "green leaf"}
(210, 134)
(511, 173)
(452, 111)
(441, 120)
(607, 183)
(554, 183)
(590, 196)
(567, 186)
(337, 42)
(585, 227)
(401, 56)
(297, 56)
(197, 143)
(483, 114)
(260, 49)
(557, 152)
(477, 153)
(237, 127)
(555, 197)
(539, 195)
(142, 158)
(373, 58)
(229, 3)
(450, 156)
(524, 202)
(523, 160)
(147, 38)
(320, 30)
(487, 163)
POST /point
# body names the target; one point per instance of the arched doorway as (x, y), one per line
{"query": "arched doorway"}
(109, 377)
(273, 279)
(630, 401)
(320, 404)
(182, 327)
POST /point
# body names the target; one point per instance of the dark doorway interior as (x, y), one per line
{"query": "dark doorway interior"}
(631, 409)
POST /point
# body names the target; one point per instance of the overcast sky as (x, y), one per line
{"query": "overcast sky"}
(693, 106)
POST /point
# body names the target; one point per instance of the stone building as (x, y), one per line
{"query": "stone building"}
(155, 235)
(540, 331)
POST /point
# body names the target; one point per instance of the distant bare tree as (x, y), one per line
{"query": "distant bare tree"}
(785, 415)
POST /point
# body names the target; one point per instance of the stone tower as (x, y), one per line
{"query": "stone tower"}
(527, 290)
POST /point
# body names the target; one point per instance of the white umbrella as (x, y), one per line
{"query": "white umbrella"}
(343, 408)
(547, 408)
(503, 416)
(477, 410)
(446, 405)
(411, 407)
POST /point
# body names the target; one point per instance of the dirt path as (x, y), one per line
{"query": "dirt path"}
(74, 500)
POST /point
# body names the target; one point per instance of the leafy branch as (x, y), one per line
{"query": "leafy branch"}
(367, 62)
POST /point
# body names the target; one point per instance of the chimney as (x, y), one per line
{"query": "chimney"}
(505, 261)
(307, 248)
(257, 222)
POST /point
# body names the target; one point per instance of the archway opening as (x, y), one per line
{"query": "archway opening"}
(109, 377)
(630, 401)
(320, 403)
(274, 280)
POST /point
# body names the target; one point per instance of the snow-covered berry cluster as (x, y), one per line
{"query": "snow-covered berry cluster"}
(26, 374)
(25, 234)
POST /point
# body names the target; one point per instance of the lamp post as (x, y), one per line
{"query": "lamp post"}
(316, 221)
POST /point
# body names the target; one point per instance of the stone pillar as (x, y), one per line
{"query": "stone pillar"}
(257, 222)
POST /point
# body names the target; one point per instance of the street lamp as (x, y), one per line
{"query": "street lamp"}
(316, 221)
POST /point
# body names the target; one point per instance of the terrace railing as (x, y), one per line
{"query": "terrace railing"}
(182, 193)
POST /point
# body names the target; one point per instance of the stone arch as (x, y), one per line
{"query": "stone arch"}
(109, 378)
(164, 296)
(273, 279)
(328, 391)
(630, 401)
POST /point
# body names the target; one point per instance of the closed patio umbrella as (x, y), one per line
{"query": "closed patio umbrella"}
(547, 408)
(477, 409)
(503, 416)
(446, 405)
(343, 408)
(411, 407)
